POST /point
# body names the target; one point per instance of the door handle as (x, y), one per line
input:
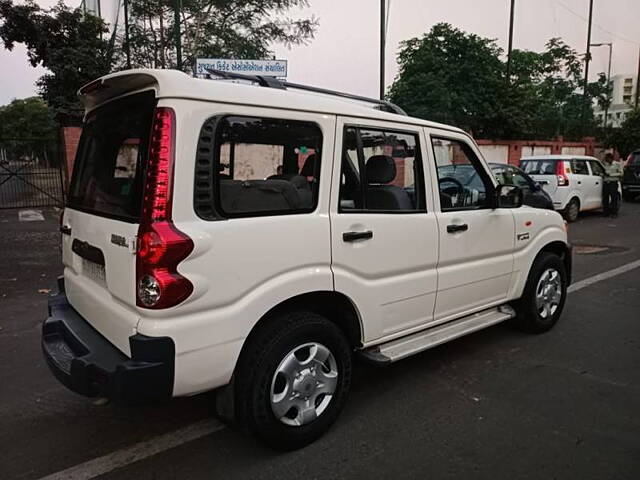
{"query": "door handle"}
(65, 229)
(457, 228)
(353, 236)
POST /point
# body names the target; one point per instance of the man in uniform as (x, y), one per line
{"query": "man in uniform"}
(611, 197)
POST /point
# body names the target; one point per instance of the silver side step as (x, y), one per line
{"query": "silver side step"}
(406, 346)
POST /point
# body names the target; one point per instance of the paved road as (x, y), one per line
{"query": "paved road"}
(496, 404)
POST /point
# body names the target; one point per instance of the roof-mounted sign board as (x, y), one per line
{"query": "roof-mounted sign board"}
(266, 68)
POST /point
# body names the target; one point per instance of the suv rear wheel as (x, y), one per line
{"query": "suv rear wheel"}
(544, 295)
(293, 379)
(572, 210)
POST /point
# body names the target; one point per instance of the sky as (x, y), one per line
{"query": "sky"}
(345, 52)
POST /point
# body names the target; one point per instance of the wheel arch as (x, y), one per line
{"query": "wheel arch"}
(562, 250)
(335, 306)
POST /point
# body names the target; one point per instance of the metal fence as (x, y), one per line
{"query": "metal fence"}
(31, 173)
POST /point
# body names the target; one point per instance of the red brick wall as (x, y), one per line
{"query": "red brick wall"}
(70, 140)
(515, 146)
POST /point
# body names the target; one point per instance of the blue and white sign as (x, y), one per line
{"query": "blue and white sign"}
(267, 68)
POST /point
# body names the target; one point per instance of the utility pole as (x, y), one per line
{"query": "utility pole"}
(606, 108)
(510, 42)
(127, 48)
(382, 46)
(638, 80)
(587, 58)
(177, 8)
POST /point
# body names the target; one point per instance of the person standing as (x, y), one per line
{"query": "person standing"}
(611, 197)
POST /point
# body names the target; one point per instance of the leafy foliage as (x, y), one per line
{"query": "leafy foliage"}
(27, 128)
(211, 28)
(64, 41)
(455, 77)
(625, 139)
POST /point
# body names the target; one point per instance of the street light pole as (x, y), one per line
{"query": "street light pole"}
(127, 48)
(177, 8)
(510, 48)
(606, 107)
(587, 58)
(382, 46)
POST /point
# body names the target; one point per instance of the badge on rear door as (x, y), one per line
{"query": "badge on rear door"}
(522, 236)
(119, 240)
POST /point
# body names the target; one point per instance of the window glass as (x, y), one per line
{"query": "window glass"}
(266, 166)
(538, 167)
(596, 168)
(462, 180)
(379, 171)
(108, 172)
(579, 167)
(514, 177)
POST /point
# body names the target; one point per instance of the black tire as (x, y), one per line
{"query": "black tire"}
(270, 345)
(529, 318)
(572, 210)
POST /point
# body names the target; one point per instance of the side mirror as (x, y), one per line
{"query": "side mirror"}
(508, 196)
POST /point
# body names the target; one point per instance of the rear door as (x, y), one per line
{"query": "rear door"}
(384, 234)
(101, 219)
(585, 184)
(596, 171)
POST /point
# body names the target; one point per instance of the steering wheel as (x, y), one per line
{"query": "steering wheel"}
(455, 181)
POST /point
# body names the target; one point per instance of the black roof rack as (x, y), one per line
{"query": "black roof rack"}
(272, 82)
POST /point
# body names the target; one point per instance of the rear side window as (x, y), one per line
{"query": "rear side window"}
(381, 172)
(108, 172)
(579, 167)
(538, 167)
(263, 166)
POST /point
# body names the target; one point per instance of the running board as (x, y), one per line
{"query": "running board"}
(406, 346)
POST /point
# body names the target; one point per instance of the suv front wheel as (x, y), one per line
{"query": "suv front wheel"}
(293, 379)
(544, 294)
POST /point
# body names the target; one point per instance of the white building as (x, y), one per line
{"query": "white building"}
(622, 100)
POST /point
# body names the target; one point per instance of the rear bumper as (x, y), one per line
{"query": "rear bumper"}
(87, 363)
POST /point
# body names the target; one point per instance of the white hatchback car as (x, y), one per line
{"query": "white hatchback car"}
(574, 182)
(254, 237)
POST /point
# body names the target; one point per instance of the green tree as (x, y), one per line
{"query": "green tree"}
(211, 28)
(27, 128)
(454, 77)
(69, 44)
(625, 139)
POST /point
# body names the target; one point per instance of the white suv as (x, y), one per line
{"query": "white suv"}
(254, 237)
(574, 182)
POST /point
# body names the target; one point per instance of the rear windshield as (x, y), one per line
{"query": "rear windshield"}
(109, 167)
(539, 167)
(635, 159)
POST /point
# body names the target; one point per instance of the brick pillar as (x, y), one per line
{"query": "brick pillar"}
(70, 140)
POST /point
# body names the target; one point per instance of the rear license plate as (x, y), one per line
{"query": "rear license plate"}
(93, 270)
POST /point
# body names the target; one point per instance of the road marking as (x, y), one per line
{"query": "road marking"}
(603, 276)
(139, 451)
(30, 215)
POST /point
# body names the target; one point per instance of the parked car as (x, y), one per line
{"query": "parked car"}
(250, 239)
(533, 193)
(574, 182)
(631, 177)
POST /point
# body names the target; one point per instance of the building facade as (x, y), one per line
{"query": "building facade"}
(623, 98)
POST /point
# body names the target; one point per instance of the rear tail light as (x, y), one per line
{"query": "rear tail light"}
(161, 246)
(563, 180)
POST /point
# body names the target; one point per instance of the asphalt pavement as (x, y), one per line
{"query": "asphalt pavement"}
(495, 404)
